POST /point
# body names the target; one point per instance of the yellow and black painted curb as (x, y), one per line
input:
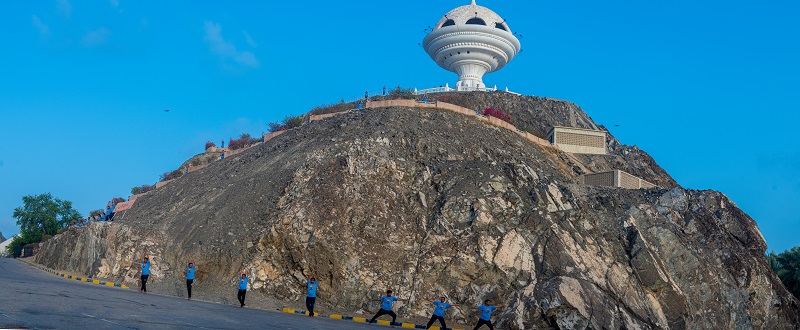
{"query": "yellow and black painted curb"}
(78, 278)
(364, 320)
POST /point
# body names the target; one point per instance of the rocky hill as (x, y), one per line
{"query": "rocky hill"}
(2, 238)
(430, 202)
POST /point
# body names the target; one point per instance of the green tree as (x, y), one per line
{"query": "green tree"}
(293, 121)
(41, 216)
(787, 266)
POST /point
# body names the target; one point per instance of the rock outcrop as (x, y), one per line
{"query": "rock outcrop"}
(2, 238)
(428, 202)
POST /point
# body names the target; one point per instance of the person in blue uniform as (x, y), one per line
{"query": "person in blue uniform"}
(145, 273)
(242, 287)
(486, 315)
(438, 313)
(386, 307)
(190, 268)
(311, 297)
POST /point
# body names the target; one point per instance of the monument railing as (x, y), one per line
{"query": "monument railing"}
(457, 89)
(433, 90)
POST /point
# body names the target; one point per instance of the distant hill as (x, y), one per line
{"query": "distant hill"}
(2, 238)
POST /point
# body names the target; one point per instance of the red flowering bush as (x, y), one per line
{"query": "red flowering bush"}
(244, 140)
(498, 114)
(210, 144)
(171, 175)
(236, 144)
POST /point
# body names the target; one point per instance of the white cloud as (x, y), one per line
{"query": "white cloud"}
(226, 49)
(43, 28)
(248, 59)
(65, 8)
(96, 37)
(249, 39)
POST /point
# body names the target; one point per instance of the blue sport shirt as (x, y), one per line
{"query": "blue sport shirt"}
(387, 301)
(145, 268)
(440, 308)
(243, 283)
(190, 273)
(486, 312)
(312, 289)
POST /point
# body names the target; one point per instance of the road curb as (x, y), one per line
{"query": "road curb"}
(364, 320)
(77, 278)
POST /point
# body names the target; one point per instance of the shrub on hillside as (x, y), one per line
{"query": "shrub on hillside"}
(142, 189)
(400, 92)
(196, 161)
(499, 115)
(237, 144)
(95, 213)
(117, 200)
(333, 107)
(288, 122)
(244, 141)
(293, 121)
(166, 176)
(210, 144)
(276, 127)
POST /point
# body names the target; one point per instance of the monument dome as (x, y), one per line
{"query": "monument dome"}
(471, 41)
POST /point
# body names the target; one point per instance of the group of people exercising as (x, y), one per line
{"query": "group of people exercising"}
(386, 301)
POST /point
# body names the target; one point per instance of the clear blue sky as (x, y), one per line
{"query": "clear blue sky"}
(708, 88)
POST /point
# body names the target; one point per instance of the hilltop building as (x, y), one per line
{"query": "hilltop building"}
(471, 41)
(578, 140)
(616, 178)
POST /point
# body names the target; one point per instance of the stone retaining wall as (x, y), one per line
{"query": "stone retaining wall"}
(327, 115)
(216, 149)
(616, 178)
(191, 169)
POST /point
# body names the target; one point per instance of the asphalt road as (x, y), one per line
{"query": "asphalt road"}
(32, 298)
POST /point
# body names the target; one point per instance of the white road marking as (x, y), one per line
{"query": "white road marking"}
(6, 315)
(104, 320)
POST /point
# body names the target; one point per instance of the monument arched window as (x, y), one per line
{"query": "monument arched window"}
(476, 21)
(500, 26)
(449, 23)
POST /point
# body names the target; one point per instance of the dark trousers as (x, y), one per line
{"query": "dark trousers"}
(189, 287)
(384, 312)
(240, 296)
(144, 283)
(310, 302)
(482, 322)
(433, 319)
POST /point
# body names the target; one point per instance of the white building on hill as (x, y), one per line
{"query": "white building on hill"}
(471, 41)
